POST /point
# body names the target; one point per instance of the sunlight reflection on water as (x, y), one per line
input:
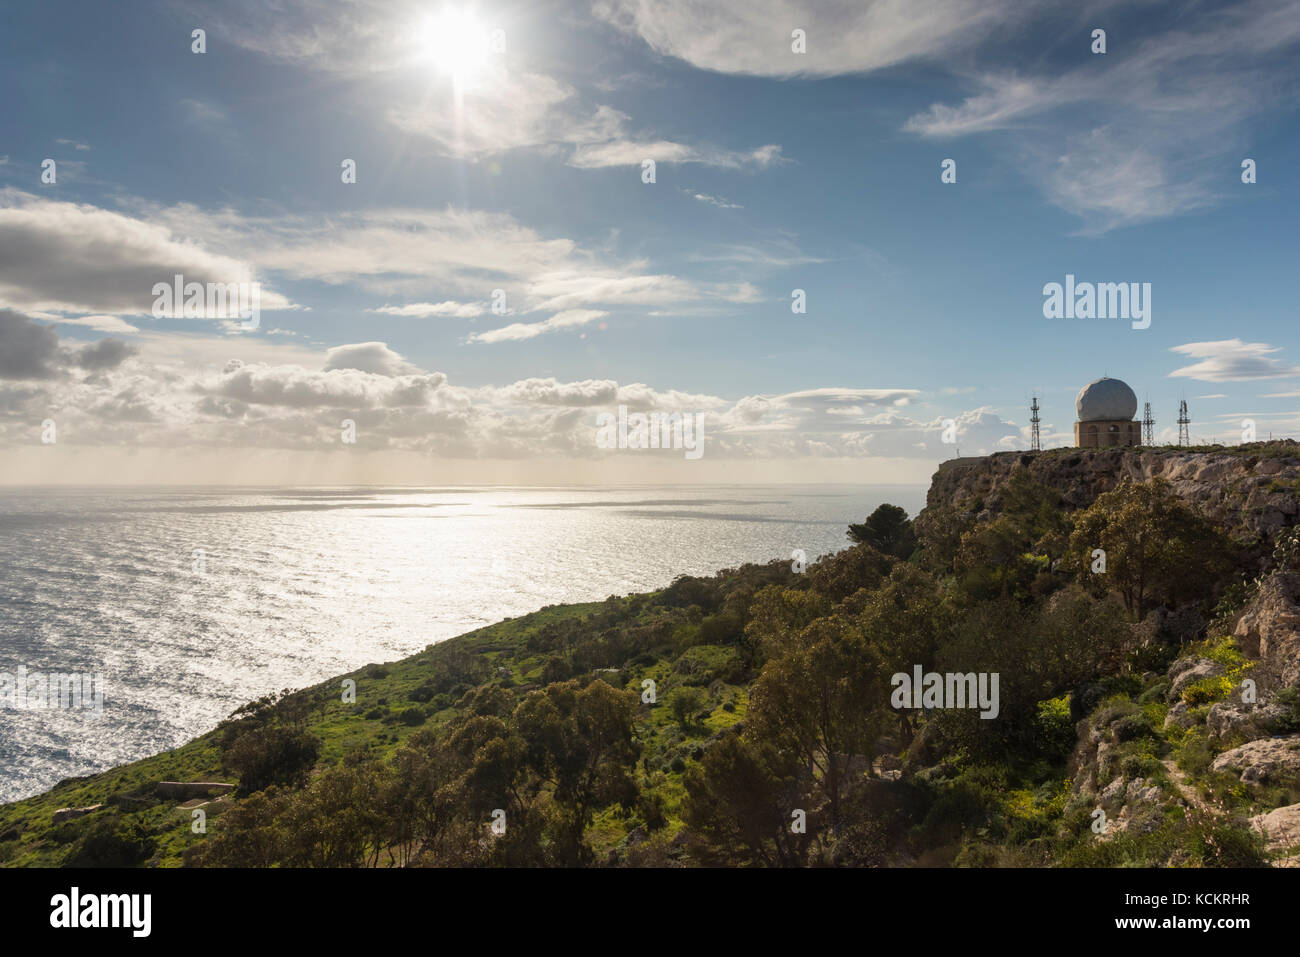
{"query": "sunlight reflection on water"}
(302, 584)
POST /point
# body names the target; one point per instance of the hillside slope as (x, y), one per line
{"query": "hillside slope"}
(1148, 714)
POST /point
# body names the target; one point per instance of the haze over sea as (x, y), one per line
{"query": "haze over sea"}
(300, 584)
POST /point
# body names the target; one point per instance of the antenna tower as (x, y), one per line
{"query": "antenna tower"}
(1035, 440)
(1183, 422)
(1148, 427)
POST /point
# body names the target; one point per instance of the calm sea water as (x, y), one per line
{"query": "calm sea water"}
(293, 586)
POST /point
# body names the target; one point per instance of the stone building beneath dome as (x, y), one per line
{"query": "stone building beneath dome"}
(1106, 410)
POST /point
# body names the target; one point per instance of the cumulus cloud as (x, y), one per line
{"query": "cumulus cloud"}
(104, 354)
(255, 384)
(30, 350)
(72, 257)
(373, 357)
(291, 399)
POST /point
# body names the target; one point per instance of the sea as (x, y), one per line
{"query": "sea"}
(185, 603)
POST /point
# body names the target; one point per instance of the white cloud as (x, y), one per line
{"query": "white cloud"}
(711, 200)
(507, 105)
(467, 253)
(1144, 134)
(843, 36)
(71, 257)
(423, 310)
(1232, 360)
(374, 357)
(567, 319)
(97, 323)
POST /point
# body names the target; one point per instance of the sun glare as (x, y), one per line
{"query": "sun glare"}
(456, 44)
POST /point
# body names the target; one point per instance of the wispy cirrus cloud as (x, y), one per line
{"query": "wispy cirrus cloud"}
(753, 37)
(1143, 132)
(1232, 360)
(518, 331)
(424, 310)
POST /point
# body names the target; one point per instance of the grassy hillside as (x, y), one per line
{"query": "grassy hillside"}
(747, 719)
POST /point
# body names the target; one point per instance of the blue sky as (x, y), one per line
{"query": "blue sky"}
(520, 169)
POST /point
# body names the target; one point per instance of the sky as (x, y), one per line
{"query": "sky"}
(460, 248)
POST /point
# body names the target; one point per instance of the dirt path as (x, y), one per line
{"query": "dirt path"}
(1186, 790)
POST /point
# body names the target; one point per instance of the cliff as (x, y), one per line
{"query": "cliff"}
(1252, 491)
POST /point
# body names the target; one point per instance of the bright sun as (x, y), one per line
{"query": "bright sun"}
(456, 44)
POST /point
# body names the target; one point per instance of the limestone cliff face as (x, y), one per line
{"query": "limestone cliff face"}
(1250, 490)
(1268, 631)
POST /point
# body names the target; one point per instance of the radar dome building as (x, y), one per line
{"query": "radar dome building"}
(1106, 410)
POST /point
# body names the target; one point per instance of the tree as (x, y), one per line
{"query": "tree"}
(685, 703)
(821, 696)
(580, 741)
(840, 575)
(739, 801)
(1157, 548)
(887, 530)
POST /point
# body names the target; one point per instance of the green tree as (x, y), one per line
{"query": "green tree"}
(685, 703)
(887, 530)
(840, 575)
(1157, 548)
(821, 696)
(739, 801)
(579, 741)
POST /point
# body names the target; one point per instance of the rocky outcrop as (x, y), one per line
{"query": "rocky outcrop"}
(1281, 830)
(1229, 719)
(1265, 761)
(184, 790)
(1252, 491)
(69, 813)
(1269, 630)
(1188, 671)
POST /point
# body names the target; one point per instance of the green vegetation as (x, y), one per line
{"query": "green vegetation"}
(741, 719)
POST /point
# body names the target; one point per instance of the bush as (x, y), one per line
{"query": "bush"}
(685, 703)
(1133, 726)
(651, 807)
(1289, 723)
(111, 842)
(273, 754)
(1194, 756)
(1286, 550)
(1053, 728)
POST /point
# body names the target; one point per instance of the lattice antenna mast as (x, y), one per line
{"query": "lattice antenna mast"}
(1184, 438)
(1148, 426)
(1035, 439)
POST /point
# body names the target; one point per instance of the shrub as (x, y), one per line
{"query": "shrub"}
(1133, 726)
(274, 754)
(685, 703)
(1053, 728)
(412, 717)
(111, 842)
